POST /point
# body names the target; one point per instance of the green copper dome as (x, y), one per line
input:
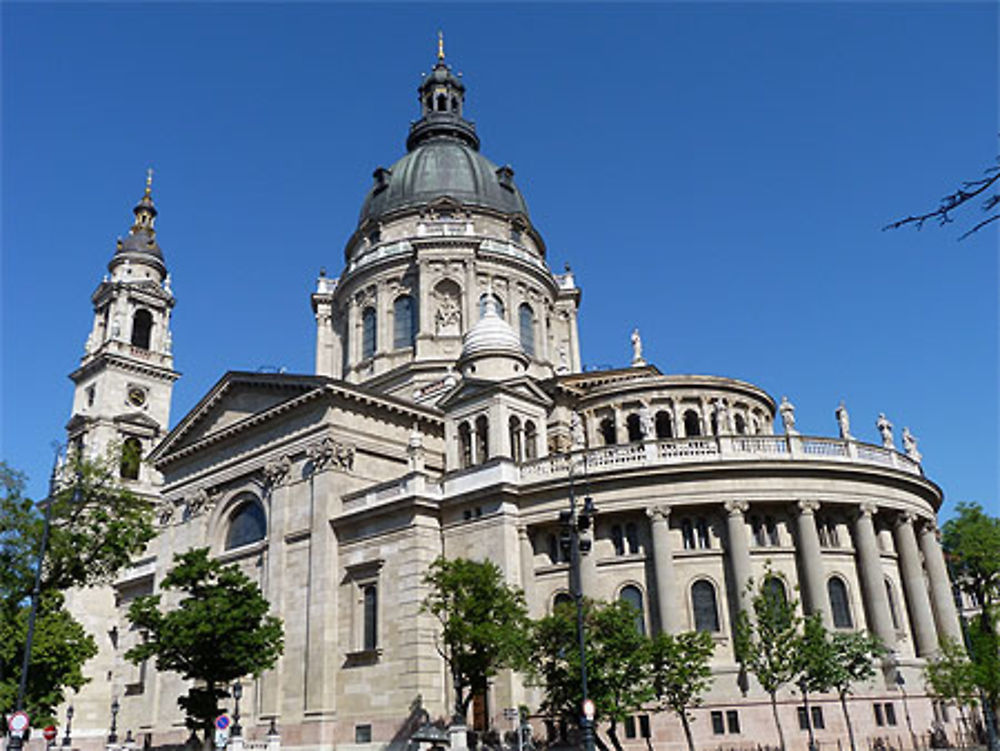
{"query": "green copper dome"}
(443, 160)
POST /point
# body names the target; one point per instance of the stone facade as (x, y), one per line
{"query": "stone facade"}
(449, 415)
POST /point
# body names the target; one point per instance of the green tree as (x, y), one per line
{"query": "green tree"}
(484, 624)
(680, 674)
(96, 528)
(218, 631)
(950, 675)
(972, 542)
(618, 658)
(768, 644)
(836, 662)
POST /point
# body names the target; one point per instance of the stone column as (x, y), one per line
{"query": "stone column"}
(739, 549)
(667, 599)
(816, 599)
(621, 429)
(527, 565)
(945, 615)
(872, 577)
(915, 589)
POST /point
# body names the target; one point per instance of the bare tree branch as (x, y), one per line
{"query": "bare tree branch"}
(969, 190)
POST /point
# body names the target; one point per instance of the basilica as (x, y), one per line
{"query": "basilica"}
(449, 414)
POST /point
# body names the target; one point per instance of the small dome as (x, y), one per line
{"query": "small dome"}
(491, 335)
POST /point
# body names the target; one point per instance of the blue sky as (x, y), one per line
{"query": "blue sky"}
(717, 174)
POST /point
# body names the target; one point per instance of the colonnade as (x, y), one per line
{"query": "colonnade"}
(926, 585)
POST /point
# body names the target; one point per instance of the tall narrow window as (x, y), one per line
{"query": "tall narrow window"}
(692, 424)
(618, 539)
(608, 431)
(772, 532)
(526, 322)
(247, 524)
(514, 431)
(530, 440)
(370, 596)
(633, 596)
(687, 534)
(368, 333)
(774, 590)
(634, 426)
(703, 606)
(482, 439)
(632, 537)
(131, 458)
(841, 608)
(704, 541)
(404, 322)
(142, 327)
(465, 444)
(664, 425)
(741, 423)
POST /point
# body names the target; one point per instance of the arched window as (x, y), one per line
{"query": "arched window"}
(482, 439)
(632, 537)
(514, 429)
(128, 468)
(607, 428)
(703, 606)
(741, 423)
(664, 425)
(839, 605)
(530, 440)
(890, 595)
(704, 541)
(247, 524)
(562, 600)
(774, 589)
(634, 426)
(404, 322)
(442, 103)
(142, 327)
(772, 532)
(496, 301)
(526, 323)
(367, 333)
(633, 596)
(465, 444)
(692, 424)
(713, 424)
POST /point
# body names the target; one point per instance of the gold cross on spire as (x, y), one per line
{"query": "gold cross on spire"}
(441, 46)
(149, 181)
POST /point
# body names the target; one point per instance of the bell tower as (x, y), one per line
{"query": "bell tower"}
(126, 376)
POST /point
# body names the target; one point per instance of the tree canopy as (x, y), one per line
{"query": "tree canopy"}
(484, 623)
(218, 631)
(680, 673)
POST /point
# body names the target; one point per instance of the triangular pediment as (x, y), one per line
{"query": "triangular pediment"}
(470, 390)
(236, 397)
(139, 419)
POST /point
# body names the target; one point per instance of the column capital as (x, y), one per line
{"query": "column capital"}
(522, 531)
(736, 508)
(867, 509)
(658, 513)
(905, 518)
(808, 506)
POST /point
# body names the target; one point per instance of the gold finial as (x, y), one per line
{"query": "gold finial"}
(149, 182)
(441, 46)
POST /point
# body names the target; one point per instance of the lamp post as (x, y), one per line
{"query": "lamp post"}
(237, 694)
(906, 709)
(69, 723)
(113, 735)
(573, 524)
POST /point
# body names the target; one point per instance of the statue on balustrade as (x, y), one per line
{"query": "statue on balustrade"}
(844, 422)
(787, 410)
(637, 349)
(885, 430)
(910, 446)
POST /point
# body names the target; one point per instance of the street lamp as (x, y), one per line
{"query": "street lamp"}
(237, 693)
(113, 735)
(906, 709)
(573, 525)
(69, 723)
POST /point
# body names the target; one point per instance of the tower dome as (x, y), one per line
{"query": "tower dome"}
(442, 159)
(491, 349)
(140, 246)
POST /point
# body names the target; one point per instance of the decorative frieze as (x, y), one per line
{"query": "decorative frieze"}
(330, 453)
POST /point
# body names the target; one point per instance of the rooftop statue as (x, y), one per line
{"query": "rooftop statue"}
(787, 410)
(844, 422)
(637, 360)
(885, 430)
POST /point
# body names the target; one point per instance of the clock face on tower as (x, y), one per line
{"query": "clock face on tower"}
(136, 396)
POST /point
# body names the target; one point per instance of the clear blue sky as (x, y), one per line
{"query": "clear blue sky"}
(716, 174)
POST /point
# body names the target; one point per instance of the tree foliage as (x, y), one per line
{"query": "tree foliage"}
(218, 631)
(950, 674)
(96, 528)
(768, 643)
(680, 673)
(967, 193)
(617, 655)
(484, 623)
